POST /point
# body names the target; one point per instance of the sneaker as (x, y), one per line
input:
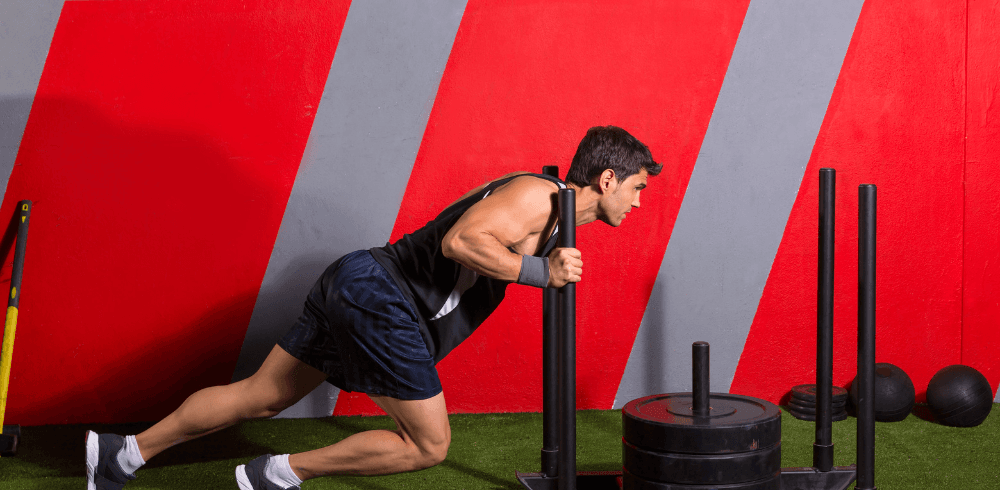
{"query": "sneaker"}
(251, 476)
(103, 470)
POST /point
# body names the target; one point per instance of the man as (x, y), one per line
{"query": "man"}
(378, 321)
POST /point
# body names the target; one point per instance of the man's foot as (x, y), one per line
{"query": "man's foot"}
(251, 476)
(103, 470)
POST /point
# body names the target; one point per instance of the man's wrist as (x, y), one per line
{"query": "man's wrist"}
(534, 271)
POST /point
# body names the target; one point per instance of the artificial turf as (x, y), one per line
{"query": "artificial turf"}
(487, 448)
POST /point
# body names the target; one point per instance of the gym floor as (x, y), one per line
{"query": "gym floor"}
(487, 449)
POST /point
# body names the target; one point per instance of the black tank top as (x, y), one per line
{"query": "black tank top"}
(451, 300)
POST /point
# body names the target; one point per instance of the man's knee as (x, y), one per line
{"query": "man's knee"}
(423, 425)
(433, 453)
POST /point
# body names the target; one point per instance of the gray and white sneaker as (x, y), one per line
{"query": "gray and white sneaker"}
(250, 476)
(103, 470)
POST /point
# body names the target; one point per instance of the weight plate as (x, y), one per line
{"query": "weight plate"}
(666, 423)
(715, 469)
(811, 407)
(808, 393)
(796, 408)
(632, 482)
(835, 417)
(812, 413)
(812, 402)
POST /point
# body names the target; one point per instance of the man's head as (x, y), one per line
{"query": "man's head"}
(609, 147)
(616, 165)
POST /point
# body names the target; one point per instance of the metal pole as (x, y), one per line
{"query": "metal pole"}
(567, 349)
(866, 337)
(700, 379)
(823, 447)
(550, 371)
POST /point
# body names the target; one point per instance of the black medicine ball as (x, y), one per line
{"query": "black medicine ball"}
(959, 396)
(894, 393)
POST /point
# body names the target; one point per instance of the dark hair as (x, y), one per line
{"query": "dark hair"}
(611, 147)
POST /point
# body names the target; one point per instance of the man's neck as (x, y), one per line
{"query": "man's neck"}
(586, 203)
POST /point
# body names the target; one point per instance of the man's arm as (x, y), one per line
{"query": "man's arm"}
(514, 216)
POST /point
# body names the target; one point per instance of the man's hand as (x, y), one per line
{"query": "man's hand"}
(565, 266)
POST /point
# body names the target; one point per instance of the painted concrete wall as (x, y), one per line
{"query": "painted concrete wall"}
(980, 291)
(374, 110)
(896, 119)
(26, 30)
(752, 160)
(195, 167)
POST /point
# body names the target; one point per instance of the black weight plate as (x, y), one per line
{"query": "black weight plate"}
(808, 393)
(805, 403)
(811, 407)
(714, 469)
(632, 482)
(799, 408)
(835, 417)
(795, 405)
(811, 413)
(666, 423)
(812, 402)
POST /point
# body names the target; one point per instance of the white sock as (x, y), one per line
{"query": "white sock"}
(280, 472)
(129, 457)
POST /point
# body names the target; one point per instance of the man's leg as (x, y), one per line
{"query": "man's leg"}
(280, 382)
(420, 441)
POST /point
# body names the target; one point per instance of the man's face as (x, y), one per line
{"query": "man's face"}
(622, 197)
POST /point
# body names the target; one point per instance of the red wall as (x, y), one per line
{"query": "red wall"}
(981, 272)
(165, 137)
(159, 161)
(512, 99)
(898, 119)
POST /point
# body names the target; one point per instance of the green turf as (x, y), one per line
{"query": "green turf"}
(487, 449)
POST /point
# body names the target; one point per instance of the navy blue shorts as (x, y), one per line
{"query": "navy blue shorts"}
(359, 329)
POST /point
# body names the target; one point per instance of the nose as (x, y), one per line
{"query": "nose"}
(635, 203)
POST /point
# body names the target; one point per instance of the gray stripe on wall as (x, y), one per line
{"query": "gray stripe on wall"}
(26, 30)
(358, 159)
(769, 111)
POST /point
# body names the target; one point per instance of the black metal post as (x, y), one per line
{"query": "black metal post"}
(567, 349)
(550, 372)
(823, 447)
(700, 379)
(550, 385)
(866, 337)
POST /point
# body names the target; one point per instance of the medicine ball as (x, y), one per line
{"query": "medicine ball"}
(959, 396)
(894, 393)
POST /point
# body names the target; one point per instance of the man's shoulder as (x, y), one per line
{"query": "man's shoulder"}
(528, 181)
(525, 187)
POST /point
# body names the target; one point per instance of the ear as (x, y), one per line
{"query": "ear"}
(606, 180)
